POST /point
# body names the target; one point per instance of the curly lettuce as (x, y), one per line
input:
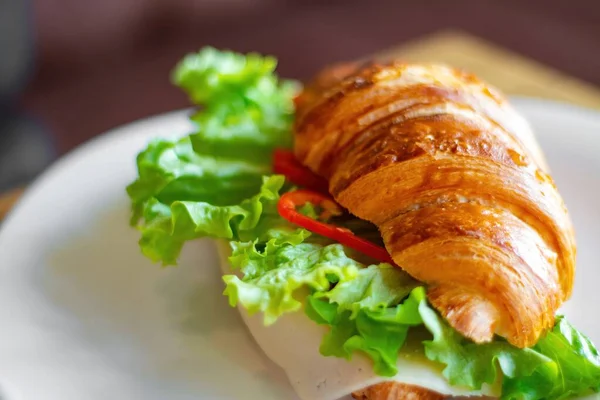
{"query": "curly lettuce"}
(302, 266)
(244, 103)
(378, 333)
(372, 309)
(574, 370)
(169, 171)
(168, 227)
(212, 182)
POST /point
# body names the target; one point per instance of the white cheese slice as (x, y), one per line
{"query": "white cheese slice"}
(293, 344)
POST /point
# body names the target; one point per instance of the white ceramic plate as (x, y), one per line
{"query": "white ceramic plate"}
(84, 316)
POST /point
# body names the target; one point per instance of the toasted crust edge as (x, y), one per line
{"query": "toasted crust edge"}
(402, 391)
(396, 391)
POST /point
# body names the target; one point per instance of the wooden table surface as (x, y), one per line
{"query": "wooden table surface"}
(511, 73)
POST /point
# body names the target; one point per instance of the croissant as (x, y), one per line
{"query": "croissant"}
(457, 185)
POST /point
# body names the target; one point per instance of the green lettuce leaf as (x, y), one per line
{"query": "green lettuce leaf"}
(169, 171)
(563, 364)
(212, 75)
(371, 309)
(209, 182)
(353, 300)
(277, 246)
(243, 102)
(373, 288)
(469, 364)
(574, 370)
(168, 227)
(280, 272)
(380, 333)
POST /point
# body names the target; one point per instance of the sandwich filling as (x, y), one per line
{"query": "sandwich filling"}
(296, 253)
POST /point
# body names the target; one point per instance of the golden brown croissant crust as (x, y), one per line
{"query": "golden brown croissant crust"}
(457, 185)
(402, 391)
(396, 391)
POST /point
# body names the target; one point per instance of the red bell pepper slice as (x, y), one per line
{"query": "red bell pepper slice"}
(285, 163)
(287, 209)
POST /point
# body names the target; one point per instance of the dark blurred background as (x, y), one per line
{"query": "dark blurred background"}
(72, 69)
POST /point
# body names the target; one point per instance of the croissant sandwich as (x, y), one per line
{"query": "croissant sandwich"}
(388, 231)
